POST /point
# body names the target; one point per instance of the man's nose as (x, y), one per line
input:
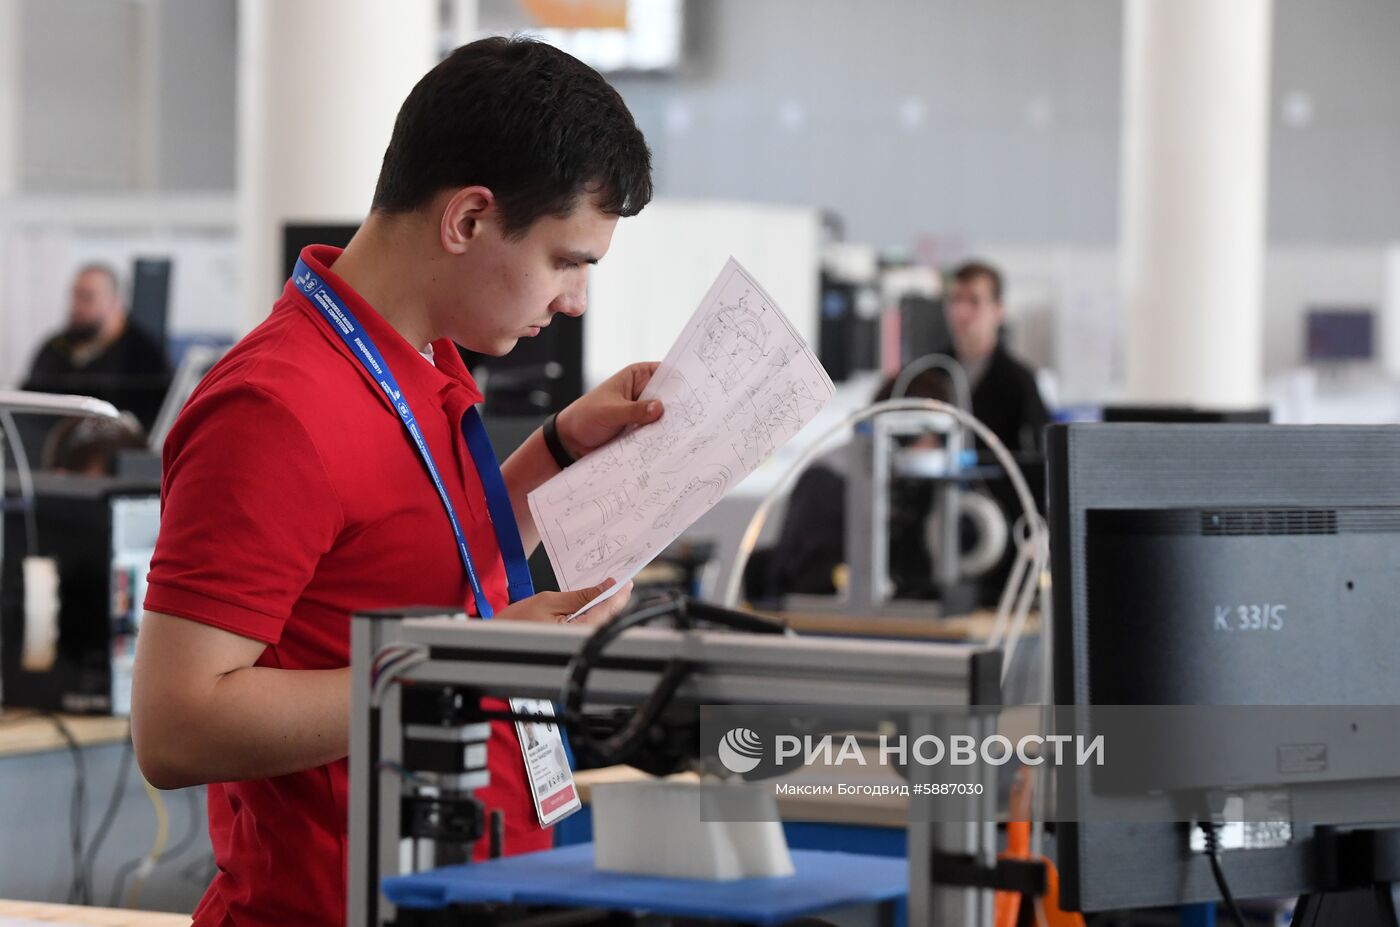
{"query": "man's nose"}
(574, 301)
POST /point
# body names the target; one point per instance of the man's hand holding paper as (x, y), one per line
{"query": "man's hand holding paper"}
(738, 383)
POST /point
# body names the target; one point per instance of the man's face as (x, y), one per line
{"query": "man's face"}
(94, 303)
(512, 288)
(974, 317)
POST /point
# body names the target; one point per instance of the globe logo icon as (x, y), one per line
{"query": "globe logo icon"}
(740, 750)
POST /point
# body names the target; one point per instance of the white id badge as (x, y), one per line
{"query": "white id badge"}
(551, 779)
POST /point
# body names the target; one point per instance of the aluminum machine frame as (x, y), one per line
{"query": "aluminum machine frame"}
(873, 462)
(506, 659)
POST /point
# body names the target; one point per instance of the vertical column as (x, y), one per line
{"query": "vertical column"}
(10, 47)
(1389, 321)
(9, 96)
(319, 84)
(1196, 87)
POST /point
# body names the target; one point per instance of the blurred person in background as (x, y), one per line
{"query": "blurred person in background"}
(1004, 393)
(100, 354)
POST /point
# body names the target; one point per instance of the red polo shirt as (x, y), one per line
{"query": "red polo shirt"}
(291, 497)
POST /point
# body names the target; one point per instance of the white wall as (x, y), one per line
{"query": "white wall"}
(663, 261)
(1079, 287)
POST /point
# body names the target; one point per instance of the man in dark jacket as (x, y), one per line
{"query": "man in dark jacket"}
(1004, 392)
(100, 353)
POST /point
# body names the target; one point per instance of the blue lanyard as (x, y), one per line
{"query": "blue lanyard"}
(344, 324)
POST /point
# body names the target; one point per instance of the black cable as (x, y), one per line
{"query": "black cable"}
(619, 747)
(734, 620)
(1213, 851)
(79, 887)
(113, 805)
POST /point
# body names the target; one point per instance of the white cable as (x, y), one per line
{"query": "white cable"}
(1013, 585)
(1019, 585)
(1035, 540)
(755, 527)
(1040, 796)
(957, 374)
(26, 482)
(404, 657)
(1032, 549)
(962, 389)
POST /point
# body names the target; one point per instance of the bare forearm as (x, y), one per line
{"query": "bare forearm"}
(524, 471)
(252, 723)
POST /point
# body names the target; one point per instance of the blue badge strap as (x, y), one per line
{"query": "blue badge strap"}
(344, 324)
(498, 505)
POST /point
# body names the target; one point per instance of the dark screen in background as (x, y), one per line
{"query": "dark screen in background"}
(1340, 335)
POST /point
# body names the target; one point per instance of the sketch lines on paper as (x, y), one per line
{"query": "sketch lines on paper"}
(702, 491)
(734, 339)
(772, 420)
(737, 384)
(599, 550)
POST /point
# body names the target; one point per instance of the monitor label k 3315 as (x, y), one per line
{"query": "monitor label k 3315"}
(1259, 617)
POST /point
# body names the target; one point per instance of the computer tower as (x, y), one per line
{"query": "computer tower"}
(71, 590)
(848, 334)
(923, 329)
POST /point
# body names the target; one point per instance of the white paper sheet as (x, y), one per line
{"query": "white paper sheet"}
(737, 384)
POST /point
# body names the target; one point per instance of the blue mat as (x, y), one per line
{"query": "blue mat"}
(566, 878)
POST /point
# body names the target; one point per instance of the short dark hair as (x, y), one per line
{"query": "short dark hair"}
(969, 271)
(928, 384)
(83, 445)
(536, 126)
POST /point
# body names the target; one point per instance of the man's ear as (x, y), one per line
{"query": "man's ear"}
(462, 216)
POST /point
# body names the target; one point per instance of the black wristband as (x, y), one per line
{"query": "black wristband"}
(556, 447)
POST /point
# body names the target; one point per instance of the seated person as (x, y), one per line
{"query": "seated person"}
(1004, 392)
(99, 354)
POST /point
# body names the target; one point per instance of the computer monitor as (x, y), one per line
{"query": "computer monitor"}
(1340, 335)
(1185, 415)
(72, 584)
(298, 235)
(150, 297)
(195, 362)
(1154, 528)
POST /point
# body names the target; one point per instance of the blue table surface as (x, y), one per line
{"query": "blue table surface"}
(566, 878)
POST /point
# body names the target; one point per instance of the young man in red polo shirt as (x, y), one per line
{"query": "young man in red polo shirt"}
(294, 495)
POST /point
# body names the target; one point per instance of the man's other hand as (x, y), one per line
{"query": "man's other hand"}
(558, 606)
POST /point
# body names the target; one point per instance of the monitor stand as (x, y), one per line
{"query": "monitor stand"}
(1375, 906)
(1359, 865)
